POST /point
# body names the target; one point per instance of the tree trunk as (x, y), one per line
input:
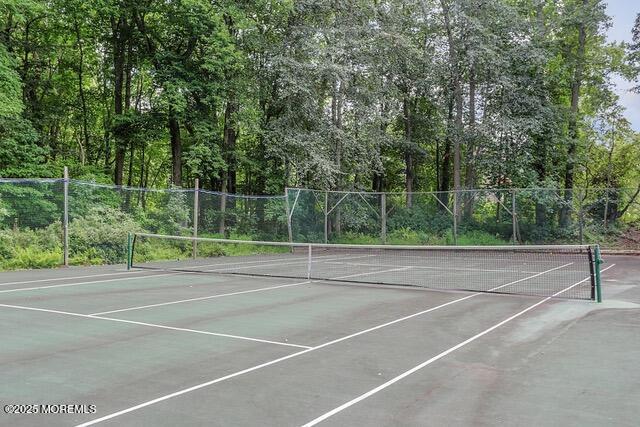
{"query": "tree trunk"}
(176, 149)
(409, 160)
(470, 170)
(229, 141)
(118, 43)
(336, 118)
(456, 87)
(445, 175)
(576, 83)
(83, 102)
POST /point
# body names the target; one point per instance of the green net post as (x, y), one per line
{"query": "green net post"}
(129, 250)
(598, 263)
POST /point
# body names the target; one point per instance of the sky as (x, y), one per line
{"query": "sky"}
(623, 14)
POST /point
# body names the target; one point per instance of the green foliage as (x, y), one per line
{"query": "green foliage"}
(10, 87)
(26, 248)
(32, 206)
(100, 236)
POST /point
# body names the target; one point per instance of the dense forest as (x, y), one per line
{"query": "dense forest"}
(252, 96)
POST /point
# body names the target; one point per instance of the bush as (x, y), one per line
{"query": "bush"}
(41, 248)
(33, 257)
(101, 236)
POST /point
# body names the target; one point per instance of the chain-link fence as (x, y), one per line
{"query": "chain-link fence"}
(48, 222)
(467, 217)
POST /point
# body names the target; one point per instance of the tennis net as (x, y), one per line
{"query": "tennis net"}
(558, 271)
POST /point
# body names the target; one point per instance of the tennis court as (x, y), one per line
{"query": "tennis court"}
(325, 335)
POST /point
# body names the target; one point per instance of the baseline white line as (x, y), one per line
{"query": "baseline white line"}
(57, 279)
(199, 298)
(275, 260)
(154, 325)
(216, 295)
(64, 285)
(174, 273)
(435, 358)
(281, 359)
(434, 268)
(365, 274)
(285, 262)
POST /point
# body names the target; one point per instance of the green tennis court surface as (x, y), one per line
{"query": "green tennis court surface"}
(178, 347)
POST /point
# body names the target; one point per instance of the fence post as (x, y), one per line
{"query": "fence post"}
(514, 223)
(288, 212)
(383, 218)
(65, 219)
(129, 250)
(455, 217)
(196, 209)
(326, 217)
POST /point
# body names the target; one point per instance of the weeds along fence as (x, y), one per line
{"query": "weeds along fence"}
(50, 222)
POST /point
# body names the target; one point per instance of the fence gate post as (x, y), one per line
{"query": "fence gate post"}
(455, 217)
(288, 212)
(514, 224)
(196, 209)
(326, 217)
(65, 219)
(383, 218)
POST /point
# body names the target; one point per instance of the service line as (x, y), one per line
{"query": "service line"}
(299, 353)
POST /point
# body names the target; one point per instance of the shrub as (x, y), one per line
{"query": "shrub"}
(33, 257)
(101, 235)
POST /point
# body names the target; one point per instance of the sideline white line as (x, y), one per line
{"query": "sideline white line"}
(154, 325)
(290, 356)
(199, 298)
(435, 358)
(57, 279)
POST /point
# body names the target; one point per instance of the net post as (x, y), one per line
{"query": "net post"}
(196, 208)
(513, 217)
(598, 263)
(65, 219)
(288, 213)
(383, 218)
(326, 217)
(129, 250)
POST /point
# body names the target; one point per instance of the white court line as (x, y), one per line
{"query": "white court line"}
(436, 357)
(175, 273)
(286, 262)
(290, 356)
(434, 268)
(154, 325)
(140, 307)
(87, 283)
(57, 279)
(364, 274)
